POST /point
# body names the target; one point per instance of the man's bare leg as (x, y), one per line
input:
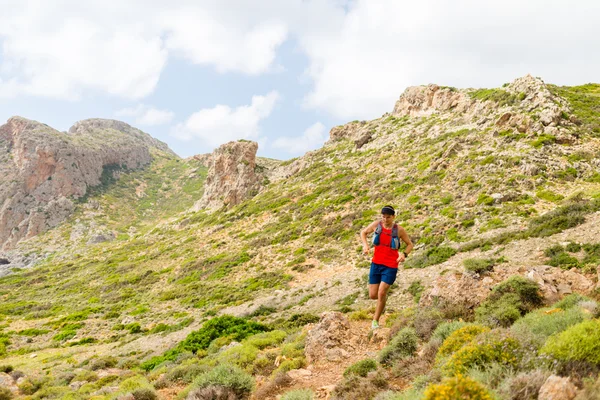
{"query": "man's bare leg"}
(381, 299)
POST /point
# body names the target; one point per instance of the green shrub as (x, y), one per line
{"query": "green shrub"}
(478, 265)
(144, 394)
(508, 301)
(265, 339)
(445, 329)
(226, 325)
(433, 256)
(561, 218)
(102, 363)
(299, 394)
(134, 327)
(228, 376)
(549, 196)
(416, 289)
(6, 368)
(570, 301)
(409, 394)
(458, 387)
(241, 355)
(527, 290)
(544, 323)
(580, 342)
(503, 311)
(361, 368)
(404, 344)
(5, 393)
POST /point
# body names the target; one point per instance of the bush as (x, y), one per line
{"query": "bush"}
(361, 368)
(490, 348)
(508, 301)
(426, 320)
(5, 393)
(226, 325)
(301, 394)
(527, 290)
(410, 394)
(211, 393)
(524, 386)
(144, 394)
(570, 301)
(544, 323)
(478, 265)
(459, 338)
(459, 387)
(356, 387)
(102, 363)
(501, 312)
(580, 342)
(242, 355)
(266, 339)
(445, 329)
(433, 256)
(404, 344)
(6, 368)
(228, 376)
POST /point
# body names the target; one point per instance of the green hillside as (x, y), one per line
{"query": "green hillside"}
(461, 187)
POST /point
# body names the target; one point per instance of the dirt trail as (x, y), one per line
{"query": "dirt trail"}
(324, 375)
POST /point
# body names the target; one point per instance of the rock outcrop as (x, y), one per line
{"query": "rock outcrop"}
(330, 339)
(557, 388)
(42, 170)
(232, 175)
(419, 101)
(470, 290)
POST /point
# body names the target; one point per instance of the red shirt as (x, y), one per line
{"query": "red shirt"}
(384, 254)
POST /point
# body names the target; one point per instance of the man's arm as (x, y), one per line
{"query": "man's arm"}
(406, 239)
(363, 235)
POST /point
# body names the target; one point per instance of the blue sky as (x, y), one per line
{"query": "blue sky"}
(196, 74)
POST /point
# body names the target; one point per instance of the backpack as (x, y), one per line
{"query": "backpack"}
(394, 243)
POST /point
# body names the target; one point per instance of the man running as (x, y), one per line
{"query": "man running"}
(386, 258)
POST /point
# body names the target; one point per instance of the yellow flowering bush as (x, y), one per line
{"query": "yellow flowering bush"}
(459, 387)
(459, 338)
(496, 347)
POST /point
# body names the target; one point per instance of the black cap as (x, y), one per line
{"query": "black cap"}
(388, 210)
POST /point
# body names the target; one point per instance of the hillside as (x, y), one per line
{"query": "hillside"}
(507, 178)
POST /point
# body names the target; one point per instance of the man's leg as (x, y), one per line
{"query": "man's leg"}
(374, 291)
(381, 300)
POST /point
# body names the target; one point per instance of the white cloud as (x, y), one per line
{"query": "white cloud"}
(312, 138)
(64, 50)
(222, 124)
(203, 37)
(147, 115)
(376, 49)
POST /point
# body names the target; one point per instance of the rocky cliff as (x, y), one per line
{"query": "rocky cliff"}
(233, 175)
(43, 170)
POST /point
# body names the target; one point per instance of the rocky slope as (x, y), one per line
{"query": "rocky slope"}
(507, 177)
(44, 171)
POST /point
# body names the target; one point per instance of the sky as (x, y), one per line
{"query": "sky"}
(199, 73)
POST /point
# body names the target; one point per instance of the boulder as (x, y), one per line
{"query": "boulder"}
(328, 338)
(557, 388)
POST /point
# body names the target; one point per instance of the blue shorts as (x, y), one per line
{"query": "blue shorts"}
(382, 273)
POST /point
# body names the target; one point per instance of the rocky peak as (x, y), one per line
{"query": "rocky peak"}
(103, 127)
(232, 175)
(419, 101)
(42, 169)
